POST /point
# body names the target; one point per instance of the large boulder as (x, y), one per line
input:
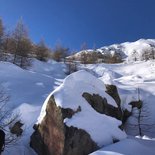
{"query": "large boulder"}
(53, 137)
(77, 118)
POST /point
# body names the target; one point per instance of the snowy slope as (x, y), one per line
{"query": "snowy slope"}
(27, 90)
(128, 78)
(130, 146)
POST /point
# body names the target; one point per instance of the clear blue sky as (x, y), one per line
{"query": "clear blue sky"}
(72, 22)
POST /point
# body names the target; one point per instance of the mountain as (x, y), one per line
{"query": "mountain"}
(142, 49)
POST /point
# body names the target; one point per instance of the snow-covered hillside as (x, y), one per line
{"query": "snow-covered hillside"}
(142, 49)
(29, 88)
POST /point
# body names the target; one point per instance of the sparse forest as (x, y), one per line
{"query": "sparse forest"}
(17, 47)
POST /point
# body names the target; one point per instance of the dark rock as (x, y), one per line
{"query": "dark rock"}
(38, 144)
(16, 128)
(53, 137)
(78, 142)
(126, 115)
(112, 91)
(68, 113)
(100, 105)
(115, 140)
(137, 104)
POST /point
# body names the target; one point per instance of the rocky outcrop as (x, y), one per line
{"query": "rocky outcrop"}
(78, 142)
(113, 92)
(101, 105)
(127, 114)
(17, 128)
(137, 104)
(53, 137)
(70, 123)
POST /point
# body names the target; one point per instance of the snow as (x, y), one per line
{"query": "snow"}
(27, 90)
(69, 95)
(78, 83)
(129, 146)
(129, 51)
(129, 78)
(44, 68)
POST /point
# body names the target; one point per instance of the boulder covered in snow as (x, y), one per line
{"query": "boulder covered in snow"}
(77, 118)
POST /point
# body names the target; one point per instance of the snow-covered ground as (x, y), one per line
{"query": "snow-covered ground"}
(29, 88)
(129, 146)
(129, 78)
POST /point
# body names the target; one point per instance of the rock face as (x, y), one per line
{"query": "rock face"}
(53, 137)
(112, 91)
(123, 115)
(101, 105)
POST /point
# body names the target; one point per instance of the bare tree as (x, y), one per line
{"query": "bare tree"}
(152, 54)
(141, 116)
(7, 119)
(1, 31)
(1, 38)
(23, 45)
(135, 55)
(60, 53)
(83, 57)
(42, 51)
(71, 67)
(84, 46)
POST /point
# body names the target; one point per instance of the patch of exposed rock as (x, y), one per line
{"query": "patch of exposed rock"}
(113, 92)
(101, 105)
(53, 137)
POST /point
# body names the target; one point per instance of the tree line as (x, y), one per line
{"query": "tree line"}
(17, 47)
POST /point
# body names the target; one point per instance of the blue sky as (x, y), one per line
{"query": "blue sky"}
(72, 22)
